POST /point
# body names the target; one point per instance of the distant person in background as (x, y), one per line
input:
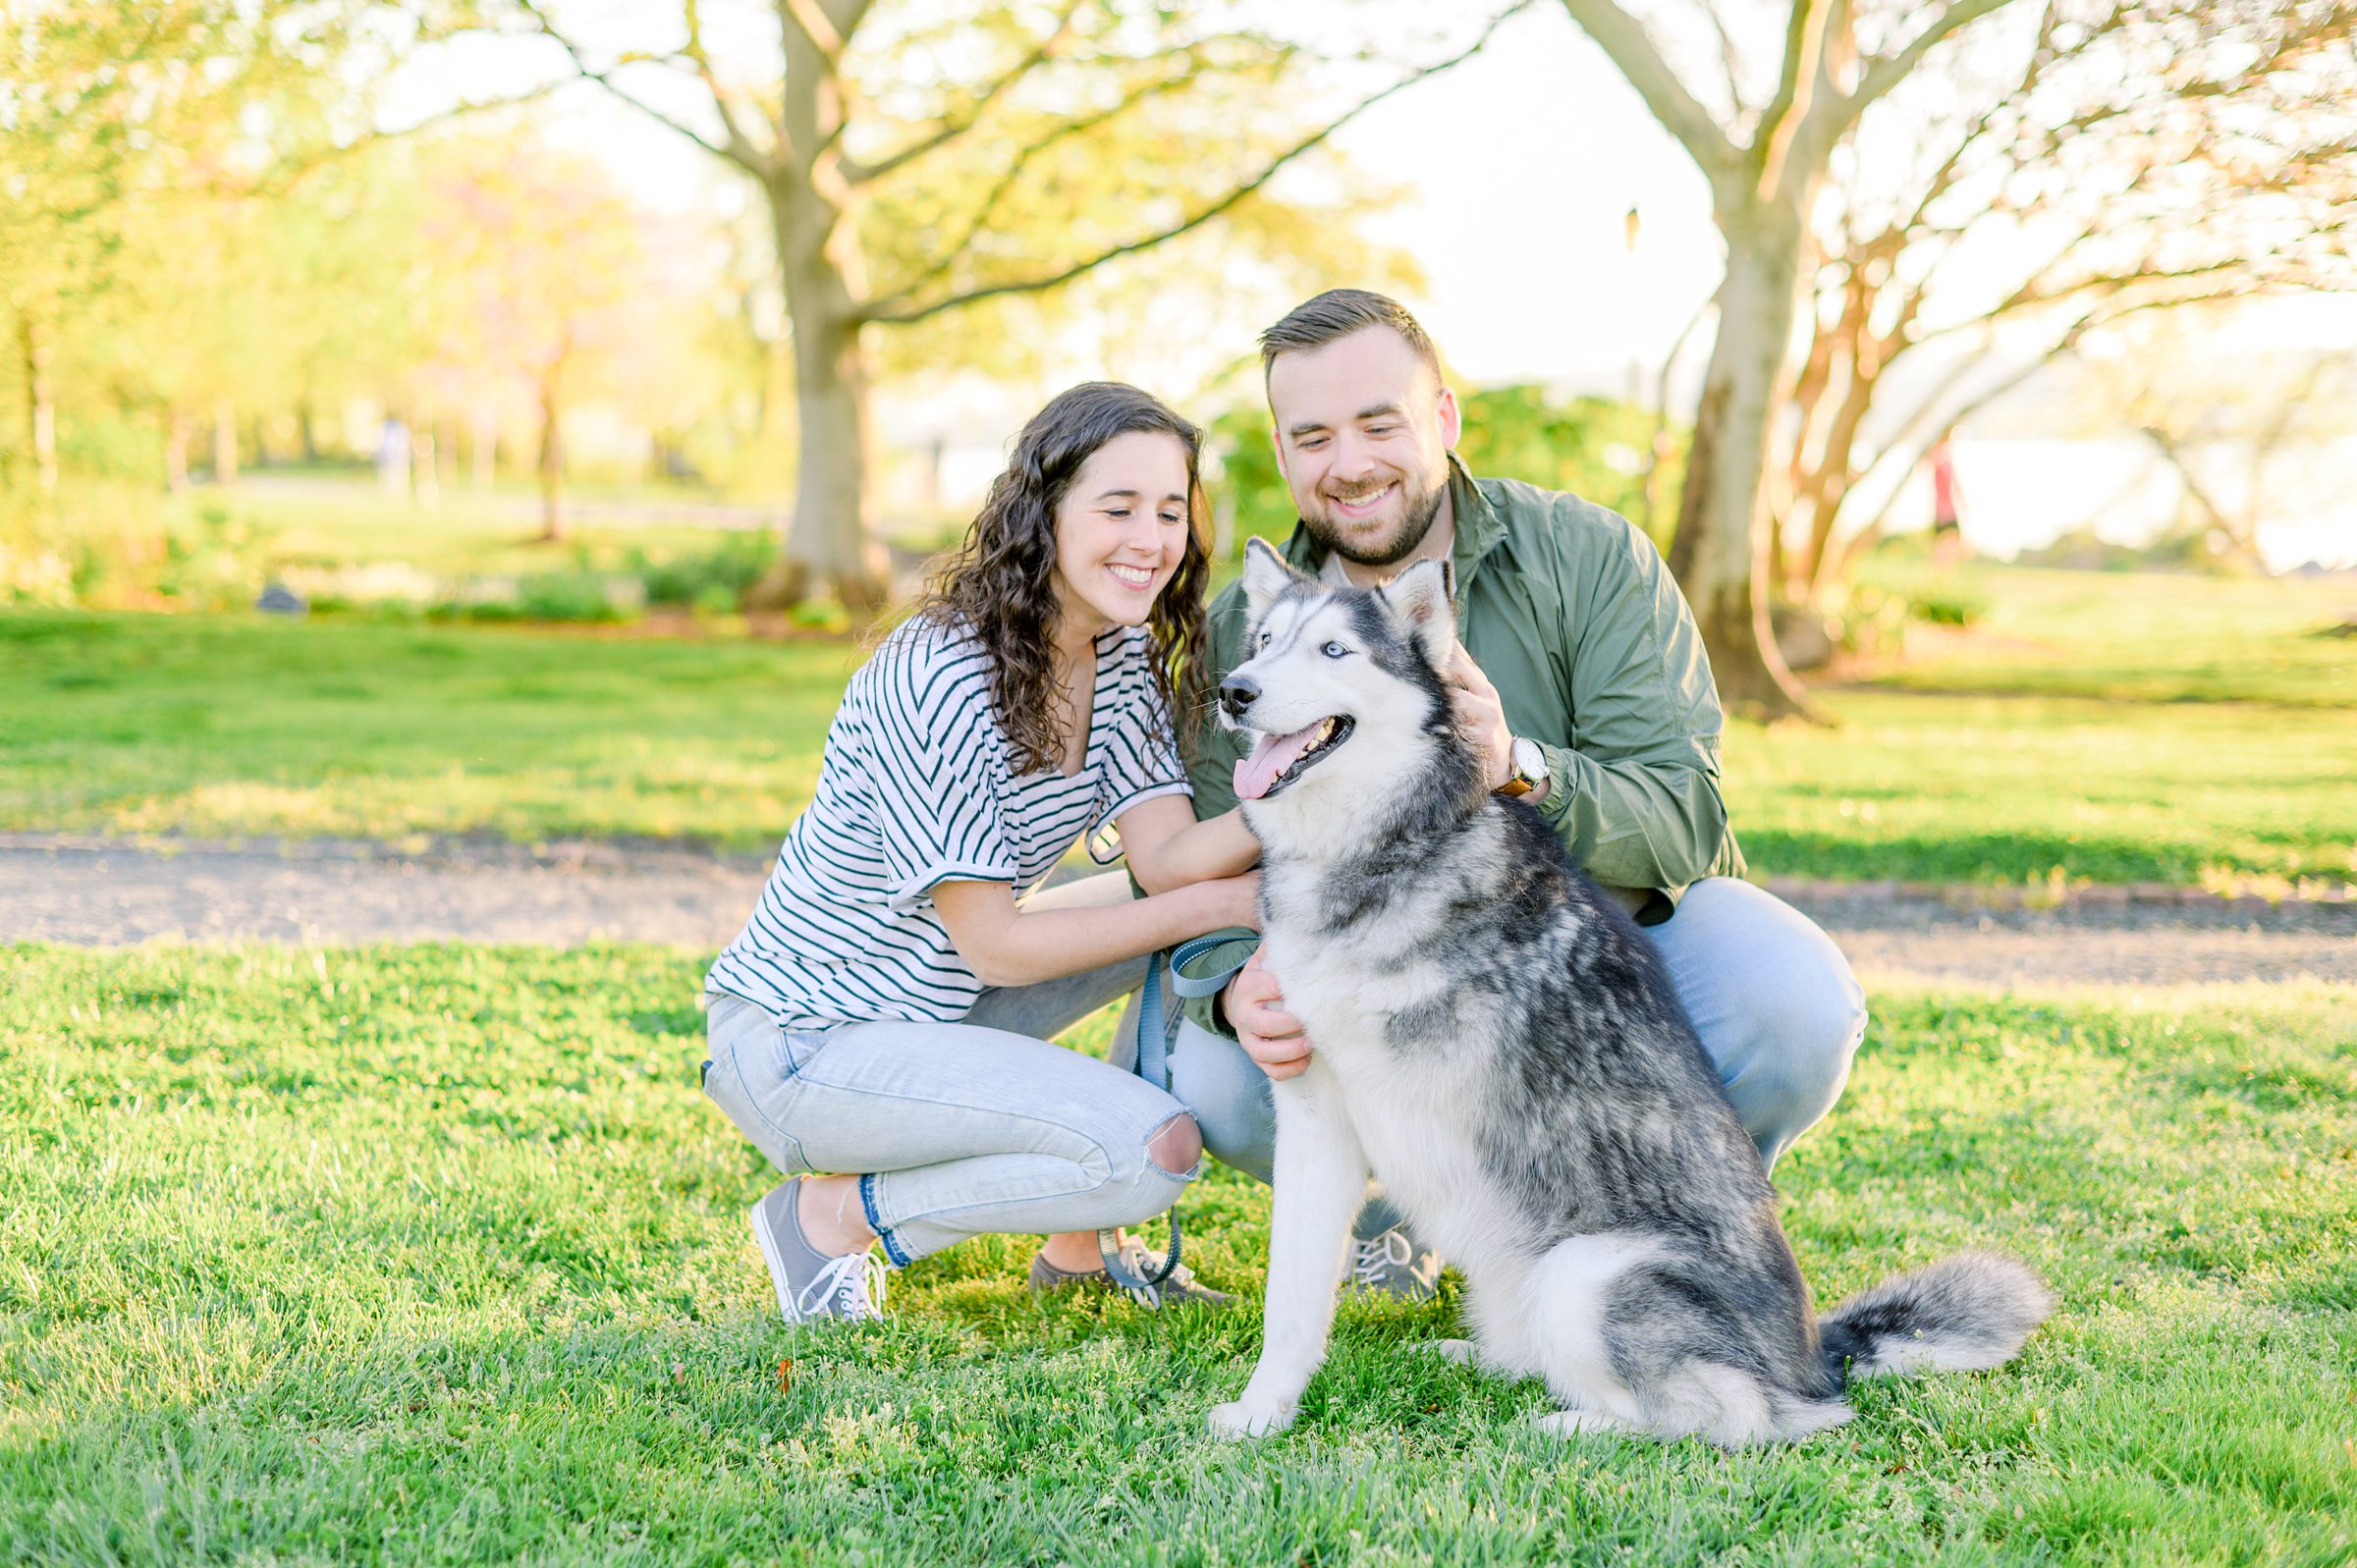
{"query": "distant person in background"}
(1947, 531)
(393, 456)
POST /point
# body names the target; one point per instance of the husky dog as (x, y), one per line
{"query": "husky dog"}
(1500, 1046)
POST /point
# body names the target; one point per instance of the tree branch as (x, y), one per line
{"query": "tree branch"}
(988, 207)
(288, 171)
(740, 144)
(1885, 72)
(885, 311)
(1917, 432)
(806, 17)
(1795, 88)
(605, 79)
(1730, 58)
(1623, 40)
(958, 124)
(2194, 487)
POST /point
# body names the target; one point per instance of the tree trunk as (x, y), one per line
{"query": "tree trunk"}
(484, 439)
(225, 442)
(1719, 553)
(552, 460)
(40, 403)
(1829, 487)
(179, 430)
(813, 212)
(829, 543)
(307, 430)
(425, 470)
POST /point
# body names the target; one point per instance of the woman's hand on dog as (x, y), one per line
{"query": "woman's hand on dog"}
(1271, 1035)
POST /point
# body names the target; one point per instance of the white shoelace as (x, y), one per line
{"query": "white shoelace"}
(1371, 1258)
(851, 1287)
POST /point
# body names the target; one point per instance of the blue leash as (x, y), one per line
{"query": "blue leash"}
(1153, 1064)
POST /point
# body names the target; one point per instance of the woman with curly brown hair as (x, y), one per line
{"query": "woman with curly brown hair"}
(884, 1016)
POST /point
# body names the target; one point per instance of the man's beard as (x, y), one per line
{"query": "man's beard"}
(1414, 525)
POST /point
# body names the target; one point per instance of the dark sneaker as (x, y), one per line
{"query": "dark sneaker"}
(1181, 1289)
(813, 1286)
(1393, 1264)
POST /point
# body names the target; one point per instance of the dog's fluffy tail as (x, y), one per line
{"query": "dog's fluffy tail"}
(1961, 1314)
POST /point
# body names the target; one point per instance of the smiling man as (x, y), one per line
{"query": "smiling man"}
(1582, 680)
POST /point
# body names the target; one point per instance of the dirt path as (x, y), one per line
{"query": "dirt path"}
(109, 892)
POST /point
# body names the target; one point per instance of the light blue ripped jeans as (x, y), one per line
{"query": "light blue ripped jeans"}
(956, 1130)
(1771, 997)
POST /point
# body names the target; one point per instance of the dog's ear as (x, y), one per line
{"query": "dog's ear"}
(1420, 600)
(1266, 575)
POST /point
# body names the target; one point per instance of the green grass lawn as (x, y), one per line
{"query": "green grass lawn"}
(435, 1253)
(2159, 728)
(335, 522)
(2150, 637)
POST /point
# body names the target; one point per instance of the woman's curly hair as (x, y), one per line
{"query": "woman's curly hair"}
(1000, 582)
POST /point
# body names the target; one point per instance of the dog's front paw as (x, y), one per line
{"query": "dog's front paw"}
(1244, 1419)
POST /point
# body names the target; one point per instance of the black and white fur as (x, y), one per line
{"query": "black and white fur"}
(1499, 1045)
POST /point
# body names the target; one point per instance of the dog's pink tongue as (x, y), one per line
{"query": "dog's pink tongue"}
(1271, 757)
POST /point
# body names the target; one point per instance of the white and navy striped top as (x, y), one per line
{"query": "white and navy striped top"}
(917, 788)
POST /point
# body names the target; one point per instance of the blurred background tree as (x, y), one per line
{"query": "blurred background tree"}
(237, 238)
(2127, 160)
(113, 120)
(2112, 155)
(2237, 433)
(915, 165)
(537, 261)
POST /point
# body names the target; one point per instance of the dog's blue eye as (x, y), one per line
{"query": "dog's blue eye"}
(1334, 650)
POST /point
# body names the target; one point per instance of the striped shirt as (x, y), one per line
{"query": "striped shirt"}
(917, 788)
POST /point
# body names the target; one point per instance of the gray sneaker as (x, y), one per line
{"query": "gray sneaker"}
(812, 1285)
(1392, 1265)
(1181, 1289)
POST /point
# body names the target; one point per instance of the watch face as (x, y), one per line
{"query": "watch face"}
(1529, 761)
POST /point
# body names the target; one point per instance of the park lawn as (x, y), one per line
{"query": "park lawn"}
(328, 519)
(312, 522)
(334, 519)
(2225, 760)
(2154, 636)
(1993, 789)
(233, 726)
(436, 1253)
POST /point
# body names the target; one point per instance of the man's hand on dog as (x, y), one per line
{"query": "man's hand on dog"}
(1270, 1036)
(1481, 714)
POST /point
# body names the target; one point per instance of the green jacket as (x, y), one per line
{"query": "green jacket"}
(1572, 614)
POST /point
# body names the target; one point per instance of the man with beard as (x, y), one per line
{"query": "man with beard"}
(1581, 678)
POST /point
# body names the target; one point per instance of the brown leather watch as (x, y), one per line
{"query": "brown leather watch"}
(1530, 769)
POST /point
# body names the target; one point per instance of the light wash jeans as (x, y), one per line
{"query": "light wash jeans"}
(1770, 996)
(959, 1129)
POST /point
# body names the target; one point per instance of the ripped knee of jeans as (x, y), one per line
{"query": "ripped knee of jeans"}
(1176, 1148)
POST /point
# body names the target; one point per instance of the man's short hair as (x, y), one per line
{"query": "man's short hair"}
(1336, 314)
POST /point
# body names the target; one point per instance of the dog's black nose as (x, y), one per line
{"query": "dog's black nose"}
(1237, 693)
